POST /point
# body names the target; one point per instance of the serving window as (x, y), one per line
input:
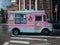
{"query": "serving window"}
(20, 19)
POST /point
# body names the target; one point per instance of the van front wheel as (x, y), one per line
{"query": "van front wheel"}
(45, 32)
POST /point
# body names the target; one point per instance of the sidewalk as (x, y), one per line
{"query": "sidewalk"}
(4, 34)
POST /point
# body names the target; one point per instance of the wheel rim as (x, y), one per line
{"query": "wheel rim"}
(15, 32)
(46, 32)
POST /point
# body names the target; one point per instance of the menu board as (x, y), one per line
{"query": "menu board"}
(20, 19)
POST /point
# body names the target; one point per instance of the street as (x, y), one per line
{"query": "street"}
(40, 17)
(35, 39)
(7, 38)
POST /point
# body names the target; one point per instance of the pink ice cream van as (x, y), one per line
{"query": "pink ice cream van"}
(28, 22)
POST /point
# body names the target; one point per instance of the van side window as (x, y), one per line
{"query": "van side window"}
(22, 15)
(20, 19)
(38, 18)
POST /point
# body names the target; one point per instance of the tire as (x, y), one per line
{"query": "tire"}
(45, 32)
(15, 32)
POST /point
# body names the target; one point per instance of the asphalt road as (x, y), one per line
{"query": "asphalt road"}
(34, 40)
(38, 39)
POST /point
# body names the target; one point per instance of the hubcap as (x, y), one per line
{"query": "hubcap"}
(46, 32)
(15, 32)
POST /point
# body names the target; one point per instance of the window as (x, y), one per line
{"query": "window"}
(33, 7)
(27, 7)
(32, 0)
(22, 15)
(26, 0)
(20, 19)
(47, 4)
(33, 4)
(38, 18)
(27, 4)
(40, 4)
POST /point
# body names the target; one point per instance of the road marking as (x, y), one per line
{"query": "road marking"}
(47, 36)
(13, 35)
(29, 38)
(20, 35)
(44, 43)
(6, 43)
(58, 37)
(22, 42)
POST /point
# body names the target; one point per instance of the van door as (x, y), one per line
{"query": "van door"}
(38, 21)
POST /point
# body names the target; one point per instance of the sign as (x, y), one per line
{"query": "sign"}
(30, 19)
(11, 19)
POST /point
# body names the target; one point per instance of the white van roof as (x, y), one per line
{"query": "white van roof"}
(26, 11)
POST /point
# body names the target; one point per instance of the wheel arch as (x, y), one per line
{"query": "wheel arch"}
(16, 29)
(45, 29)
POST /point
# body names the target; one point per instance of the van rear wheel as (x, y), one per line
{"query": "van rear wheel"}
(15, 31)
(45, 32)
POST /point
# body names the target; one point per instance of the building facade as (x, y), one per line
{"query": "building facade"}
(37, 5)
(34, 5)
(13, 6)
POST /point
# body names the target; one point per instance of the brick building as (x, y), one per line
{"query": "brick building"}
(37, 5)
(13, 6)
(33, 4)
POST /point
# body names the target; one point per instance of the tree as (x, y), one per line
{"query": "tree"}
(2, 12)
(0, 17)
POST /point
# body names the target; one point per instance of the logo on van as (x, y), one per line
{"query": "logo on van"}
(30, 19)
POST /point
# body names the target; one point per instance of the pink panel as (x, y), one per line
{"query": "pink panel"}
(33, 19)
